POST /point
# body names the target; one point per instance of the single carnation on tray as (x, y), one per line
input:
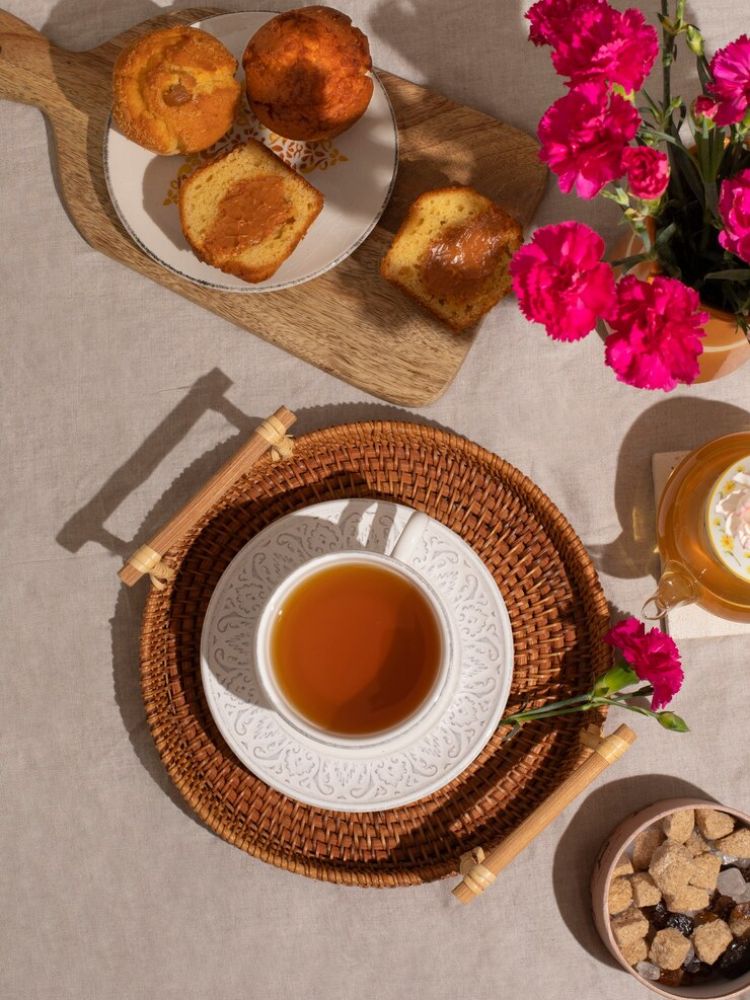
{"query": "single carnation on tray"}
(651, 657)
(677, 168)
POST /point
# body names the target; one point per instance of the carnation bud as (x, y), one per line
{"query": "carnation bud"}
(695, 41)
(703, 109)
(672, 722)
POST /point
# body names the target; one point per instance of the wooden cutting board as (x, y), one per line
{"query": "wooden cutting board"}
(349, 322)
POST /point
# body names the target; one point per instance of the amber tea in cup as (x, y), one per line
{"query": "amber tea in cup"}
(355, 648)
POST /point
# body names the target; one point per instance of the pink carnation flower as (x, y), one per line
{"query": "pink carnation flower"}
(656, 337)
(730, 68)
(653, 656)
(647, 170)
(561, 281)
(734, 209)
(553, 20)
(606, 44)
(584, 135)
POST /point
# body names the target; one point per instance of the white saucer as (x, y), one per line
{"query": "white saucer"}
(355, 172)
(395, 772)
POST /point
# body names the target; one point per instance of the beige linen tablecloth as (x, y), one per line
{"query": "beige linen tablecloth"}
(118, 399)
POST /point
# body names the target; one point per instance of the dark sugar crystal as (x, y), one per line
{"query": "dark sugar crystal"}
(703, 972)
(681, 922)
(722, 906)
(672, 977)
(736, 959)
(657, 916)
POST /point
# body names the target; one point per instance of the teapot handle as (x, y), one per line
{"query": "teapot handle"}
(677, 586)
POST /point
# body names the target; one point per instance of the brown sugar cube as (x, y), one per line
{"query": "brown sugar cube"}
(636, 951)
(620, 895)
(696, 844)
(705, 871)
(679, 825)
(737, 844)
(669, 949)
(711, 940)
(671, 867)
(629, 926)
(687, 899)
(645, 890)
(644, 846)
(623, 867)
(713, 824)
(739, 920)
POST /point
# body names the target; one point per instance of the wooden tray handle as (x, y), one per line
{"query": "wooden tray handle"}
(149, 558)
(479, 869)
(27, 71)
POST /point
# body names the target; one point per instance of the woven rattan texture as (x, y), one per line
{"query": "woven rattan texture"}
(557, 610)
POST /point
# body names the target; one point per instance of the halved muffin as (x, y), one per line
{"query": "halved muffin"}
(451, 254)
(246, 211)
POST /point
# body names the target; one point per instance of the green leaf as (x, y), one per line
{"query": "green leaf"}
(616, 679)
(665, 235)
(733, 274)
(618, 195)
(627, 262)
(673, 722)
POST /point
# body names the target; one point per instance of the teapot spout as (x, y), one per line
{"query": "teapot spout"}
(677, 586)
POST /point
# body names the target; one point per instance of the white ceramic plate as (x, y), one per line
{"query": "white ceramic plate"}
(355, 173)
(395, 772)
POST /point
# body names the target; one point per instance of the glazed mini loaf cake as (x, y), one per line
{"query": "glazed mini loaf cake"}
(246, 211)
(175, 91)
(451, 254)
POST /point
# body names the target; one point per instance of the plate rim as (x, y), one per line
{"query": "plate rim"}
(508, 649)
(250, 289)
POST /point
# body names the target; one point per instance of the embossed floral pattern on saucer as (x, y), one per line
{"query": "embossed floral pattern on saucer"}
(393, 773)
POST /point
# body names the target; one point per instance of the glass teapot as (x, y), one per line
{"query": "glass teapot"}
(703, 532)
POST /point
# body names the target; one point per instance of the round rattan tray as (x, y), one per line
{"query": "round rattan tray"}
(557, 609)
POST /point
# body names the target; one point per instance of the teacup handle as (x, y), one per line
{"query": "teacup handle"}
(409, 537)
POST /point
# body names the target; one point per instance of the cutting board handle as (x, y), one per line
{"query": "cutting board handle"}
(27, 64)
(60, 82)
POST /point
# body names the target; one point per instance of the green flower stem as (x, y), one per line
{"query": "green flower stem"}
(535, 714)
(580, 703)
(667, 59)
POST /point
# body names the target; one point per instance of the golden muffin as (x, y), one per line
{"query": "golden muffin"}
(451, 254)
(175, 91)
(246, 211)
(307, 73)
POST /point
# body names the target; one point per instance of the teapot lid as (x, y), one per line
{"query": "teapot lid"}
(728, 518)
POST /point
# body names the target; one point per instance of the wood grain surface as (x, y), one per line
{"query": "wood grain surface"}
(348, 322)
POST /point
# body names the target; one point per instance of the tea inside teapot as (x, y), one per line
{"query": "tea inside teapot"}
(703, 532)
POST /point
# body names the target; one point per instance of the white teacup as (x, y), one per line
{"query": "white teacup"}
(395, 562)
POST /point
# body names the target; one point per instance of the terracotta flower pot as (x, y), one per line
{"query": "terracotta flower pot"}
(725, 346)
(612, 849)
